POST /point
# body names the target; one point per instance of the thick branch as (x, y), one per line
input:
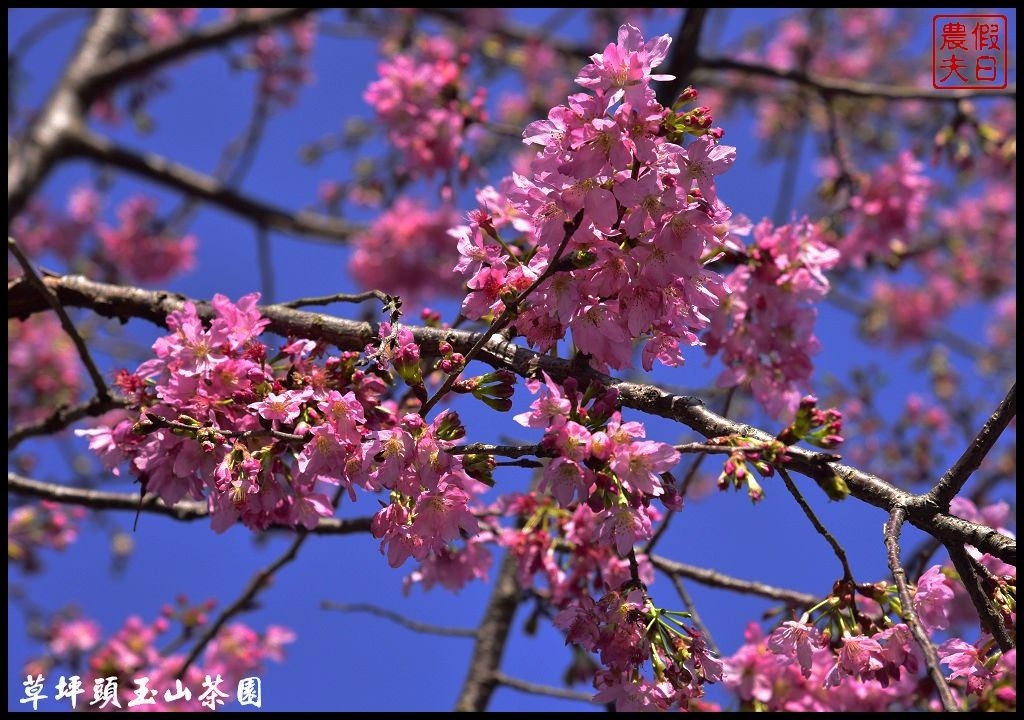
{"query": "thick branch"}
(726, 582)
(954, 478)
(931, 658)
(490, 641)
(31, 157)
(183, 510)
(86, 143)
(684, 60)
(126, 302)
(134, 63)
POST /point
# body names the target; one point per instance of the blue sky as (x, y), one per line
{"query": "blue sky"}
(357, 662)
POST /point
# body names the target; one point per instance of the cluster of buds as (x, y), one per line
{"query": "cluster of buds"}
(190, 616)
(814, 425)
(495, 388)
(696, 121)
(764, 455)
(480, 467)
(450, 361)
(430, 318)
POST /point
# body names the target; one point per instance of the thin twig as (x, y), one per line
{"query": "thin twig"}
(501, 678)
(62, 417)
(102, 391)
(266, 264)
(822, 530)
(850, 88)
(84, 142)
(245, 600)
(380, 295)
(713, 578)
(507, 316)
(931, 658)
(132, 63)
(183, 510)
(687, 479)
(691, 608)
(414, 625)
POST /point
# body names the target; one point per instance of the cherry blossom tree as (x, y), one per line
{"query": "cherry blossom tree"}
(583, 225)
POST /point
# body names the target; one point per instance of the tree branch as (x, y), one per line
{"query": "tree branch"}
(61, 418)
(244, 601)
(684, 59)
(183, 510)
(953, 480)
(850, 88)
(126, 302)
(501, 678)
(822, 530)
(380, 295)
(684, 485)
(86, 143)
(394, 617)
(691, 608)
(490, 640)
(712, 578)
(133, 63)
(990, 617)
(32, 156)
(102, 391)
(931, 658)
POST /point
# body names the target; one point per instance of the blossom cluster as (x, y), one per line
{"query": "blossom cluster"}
(137, 248)
(45, 525)
(886, 212)
(601, 461)
(811, 424)
(128, 668)
(616, 211)
(628, 631)
(407, 252)
(162, 25)
(43, 370)
(909, 445)
(213, 416)
(282, 59)
(972, 256)
(209, 414)
(424, 101)
(764, 329)
(853, 650)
